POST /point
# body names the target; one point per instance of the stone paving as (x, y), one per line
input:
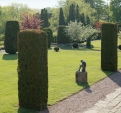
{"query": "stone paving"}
(111, 104)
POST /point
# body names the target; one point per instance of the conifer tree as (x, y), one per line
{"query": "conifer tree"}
(87, 20)
(42, 14)
(44, 17)
(46, 22)
(69, 17)
(71, 13)
(77, 14)
(61, 18)
(82, 18)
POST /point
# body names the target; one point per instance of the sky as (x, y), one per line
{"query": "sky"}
(36, 4)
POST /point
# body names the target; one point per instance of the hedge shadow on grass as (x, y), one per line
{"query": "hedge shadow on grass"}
(92, 49)
(23, 110)
(78, 49)
(66, 47)
(10, 57)
(69, 48)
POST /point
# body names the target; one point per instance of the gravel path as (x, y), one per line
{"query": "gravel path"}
(85, 99)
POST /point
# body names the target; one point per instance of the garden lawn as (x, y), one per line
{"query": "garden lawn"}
(62, 66)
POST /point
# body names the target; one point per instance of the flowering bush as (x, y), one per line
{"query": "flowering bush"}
(77, 31)
(31, 22)
(98, 25)
(74, 30)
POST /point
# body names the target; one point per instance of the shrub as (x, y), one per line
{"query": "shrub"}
(31, 22)
(11, 32)
(51, 34)
(56, 48)
(119, 47)
(32, 69)
(75, 45)
(49, 37)
(77, 31)
(62, 36)
(109, 47)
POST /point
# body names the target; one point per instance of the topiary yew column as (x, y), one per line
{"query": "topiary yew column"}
(51, 33)
(109, 47)
(61, 35)
(49, 37)
(11, 32)
(32, 69)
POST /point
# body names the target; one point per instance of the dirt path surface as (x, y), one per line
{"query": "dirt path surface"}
(2, 51)
(85, 99)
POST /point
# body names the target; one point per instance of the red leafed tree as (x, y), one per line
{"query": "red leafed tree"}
(98, 25)
(31, 22)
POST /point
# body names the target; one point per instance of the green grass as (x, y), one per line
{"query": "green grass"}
(62, 66)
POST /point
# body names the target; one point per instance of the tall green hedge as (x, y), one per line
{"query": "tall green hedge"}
(61, 35)
(32, 69)
(51, 33)
(49, 37)
(11, 32)
(109, 47)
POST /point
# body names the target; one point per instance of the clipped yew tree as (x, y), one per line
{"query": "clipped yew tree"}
(51, 33)
(62, 37)
(49, 37)
(11, 32)
(32, 68)
(109, 47)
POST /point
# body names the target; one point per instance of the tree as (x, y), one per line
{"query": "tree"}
(77, 31)
(32, 69)
(77, 14)
(11, 31)
(13, 12)
(61, 17)
(72, 13)
(83, 8)
(44, 17)
(30, 22)
(74, 30)
(99, 6)
(109, 47)
(89, 2)
(65, 4)
(87, 20)
(61, 35)
(54, 20)
(46, 22)
(42, 14)
(82, 18)
(93, 3)
(115, 7)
